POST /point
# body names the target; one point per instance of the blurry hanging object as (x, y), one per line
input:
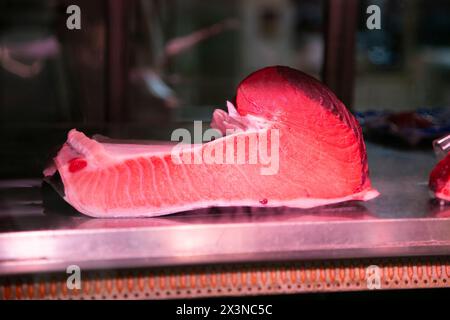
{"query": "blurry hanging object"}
(11, 56)
(160, 51)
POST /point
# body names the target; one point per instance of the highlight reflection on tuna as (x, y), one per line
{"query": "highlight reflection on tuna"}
(232, 158)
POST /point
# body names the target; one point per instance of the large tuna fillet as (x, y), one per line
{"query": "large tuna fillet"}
(289, 142)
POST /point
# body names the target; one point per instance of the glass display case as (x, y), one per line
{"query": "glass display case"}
(141, 69)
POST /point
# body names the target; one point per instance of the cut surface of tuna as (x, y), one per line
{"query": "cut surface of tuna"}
(288, 142)
(440, 179)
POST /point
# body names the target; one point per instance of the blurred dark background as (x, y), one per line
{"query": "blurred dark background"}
(140, 68)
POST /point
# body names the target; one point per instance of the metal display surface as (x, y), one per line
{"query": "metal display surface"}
(39, 235)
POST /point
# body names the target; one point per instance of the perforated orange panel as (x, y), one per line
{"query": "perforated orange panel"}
(235, 280)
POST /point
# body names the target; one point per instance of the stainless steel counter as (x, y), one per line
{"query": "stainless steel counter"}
(37, 235)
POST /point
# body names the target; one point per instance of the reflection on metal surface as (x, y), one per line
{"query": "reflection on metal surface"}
(403, 221)
(442, 146)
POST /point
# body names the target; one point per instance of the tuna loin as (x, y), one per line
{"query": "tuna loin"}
(321, 157)
(440, 179)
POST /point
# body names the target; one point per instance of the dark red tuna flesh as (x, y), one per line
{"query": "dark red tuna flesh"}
(439, 182)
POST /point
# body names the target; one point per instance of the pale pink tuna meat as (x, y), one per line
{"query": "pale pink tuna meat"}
(314, 154)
